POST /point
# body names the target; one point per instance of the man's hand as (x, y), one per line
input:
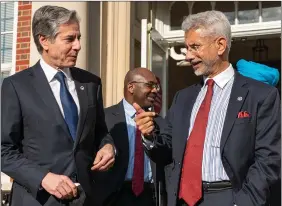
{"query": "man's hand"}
(60, 186)
(105, 158)
(144, 120)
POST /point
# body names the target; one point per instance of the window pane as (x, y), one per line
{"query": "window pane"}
(228, 8)
(248, 12)
(179, 11)
(271, 11)
(7, 24)
(6, 48)
(201, 6)
(7, 16)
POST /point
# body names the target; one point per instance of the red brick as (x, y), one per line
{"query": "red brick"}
(27, 2)
(24, 18)
(18, 57)
(24, 39)
(22, 62)
(23, 67)
(25, 34)
(19, 34)
(23, 51)
(26, 13)
(19, 13)
(25, 7)
(23, 56)
(25, 23)
(24, 45)
(26, 28)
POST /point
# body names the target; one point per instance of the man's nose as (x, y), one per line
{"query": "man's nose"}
(189, 56)
(76, 45)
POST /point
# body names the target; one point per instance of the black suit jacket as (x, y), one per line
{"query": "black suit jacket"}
(250, 147)
(35, 138)
(110, 182)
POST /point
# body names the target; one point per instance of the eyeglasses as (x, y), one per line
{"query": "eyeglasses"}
(194, 49)
(150, 85)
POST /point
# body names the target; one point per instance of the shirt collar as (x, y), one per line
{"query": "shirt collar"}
(50, 72)
(128, 108)
(222, 78)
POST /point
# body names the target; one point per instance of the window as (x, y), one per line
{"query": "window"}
(8, 35)
(228, 8)
(271, 11)
(248, 12)
(178, 12)
(201, 6)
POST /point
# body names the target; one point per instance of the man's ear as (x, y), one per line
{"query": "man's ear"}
(130, 88)
(44, 42)
(221, 45)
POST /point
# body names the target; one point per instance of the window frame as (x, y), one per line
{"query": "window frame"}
(11, 67)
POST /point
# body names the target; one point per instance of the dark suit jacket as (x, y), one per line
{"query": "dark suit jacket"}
(35, 138)
(110, 182)
(250, 147)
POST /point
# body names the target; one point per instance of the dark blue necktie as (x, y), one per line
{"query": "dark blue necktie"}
(69, 106)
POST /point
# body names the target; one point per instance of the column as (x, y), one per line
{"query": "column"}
(115, 49)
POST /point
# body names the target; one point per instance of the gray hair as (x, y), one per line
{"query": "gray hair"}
(215, 23)
(47, 20)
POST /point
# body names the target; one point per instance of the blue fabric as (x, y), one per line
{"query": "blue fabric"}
(131, 129)
(258, 71)
(69, 106)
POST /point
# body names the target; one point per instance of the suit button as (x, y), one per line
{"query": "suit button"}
(174, 193)
(179, 163)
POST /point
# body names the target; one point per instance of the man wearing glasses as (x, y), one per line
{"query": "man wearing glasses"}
(221, 139)
(134, 179)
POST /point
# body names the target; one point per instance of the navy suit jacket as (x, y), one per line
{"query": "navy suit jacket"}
(109, 183)
(35, 139)
(250, 147)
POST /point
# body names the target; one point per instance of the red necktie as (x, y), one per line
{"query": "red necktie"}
(138, 171)
(191, 177)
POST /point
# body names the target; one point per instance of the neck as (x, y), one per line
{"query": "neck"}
(218, 69)
(46, 58)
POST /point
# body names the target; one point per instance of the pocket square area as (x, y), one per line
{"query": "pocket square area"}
(243, 114)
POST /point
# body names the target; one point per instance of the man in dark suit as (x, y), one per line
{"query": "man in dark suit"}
(222, 137)
(118, 186)
(53, 123)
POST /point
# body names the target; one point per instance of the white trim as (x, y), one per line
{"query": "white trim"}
(14, 51)
(240, 30)
(144, 45)
(11, 67)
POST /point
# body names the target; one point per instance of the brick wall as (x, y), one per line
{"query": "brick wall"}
(23, 35)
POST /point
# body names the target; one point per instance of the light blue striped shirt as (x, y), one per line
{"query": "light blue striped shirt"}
(131, 130)
(212, 168)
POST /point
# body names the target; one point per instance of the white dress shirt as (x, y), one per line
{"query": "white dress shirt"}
(55, 85)
(212, 168)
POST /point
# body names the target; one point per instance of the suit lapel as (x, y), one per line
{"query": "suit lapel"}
(237, 98)
(119, 115)
(43, 90)
(81, 90)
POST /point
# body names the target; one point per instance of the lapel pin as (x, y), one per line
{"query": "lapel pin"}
(239, 98)
(82, 87)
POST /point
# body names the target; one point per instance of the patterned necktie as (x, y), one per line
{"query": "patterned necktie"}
(69, 106)
(191, 177)
(138, 171)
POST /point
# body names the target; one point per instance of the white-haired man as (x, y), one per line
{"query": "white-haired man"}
(222, 136)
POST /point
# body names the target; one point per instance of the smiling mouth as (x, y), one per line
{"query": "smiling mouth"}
(151, 98)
